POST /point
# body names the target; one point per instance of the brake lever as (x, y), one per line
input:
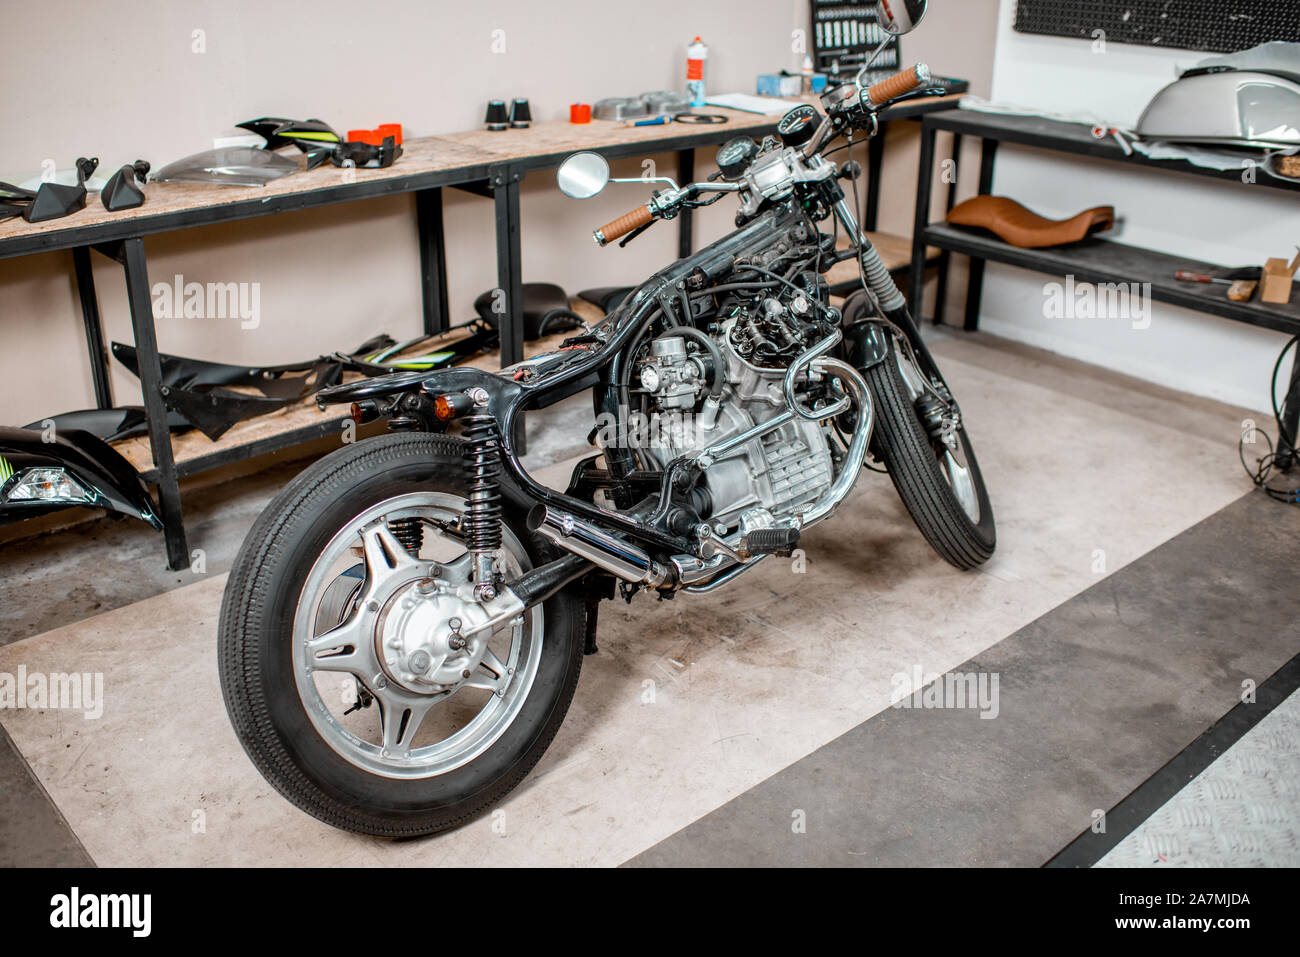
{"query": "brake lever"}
(635, 233)
(917, 94)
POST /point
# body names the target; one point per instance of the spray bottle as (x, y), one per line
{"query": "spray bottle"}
(697, 53)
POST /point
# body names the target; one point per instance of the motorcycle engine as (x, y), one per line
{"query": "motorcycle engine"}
(767, 479)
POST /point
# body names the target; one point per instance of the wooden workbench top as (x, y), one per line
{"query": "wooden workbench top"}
(180, 205)
(426, 155)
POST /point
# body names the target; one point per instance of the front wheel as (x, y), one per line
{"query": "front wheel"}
(350, 661)
(921, 441)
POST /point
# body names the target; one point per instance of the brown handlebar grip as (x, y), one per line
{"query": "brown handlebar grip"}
(624, 225)
(899, 84)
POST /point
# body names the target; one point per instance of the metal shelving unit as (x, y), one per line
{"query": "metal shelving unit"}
(1094, 260)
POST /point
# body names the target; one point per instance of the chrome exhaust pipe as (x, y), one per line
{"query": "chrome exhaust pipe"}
(602, 549)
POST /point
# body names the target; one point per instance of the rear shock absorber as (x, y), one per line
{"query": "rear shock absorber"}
(482, 523)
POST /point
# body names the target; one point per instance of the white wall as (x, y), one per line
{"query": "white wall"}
(122, 82)
(123, 86)
(1219, 222)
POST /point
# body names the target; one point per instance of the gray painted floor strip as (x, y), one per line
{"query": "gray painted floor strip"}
(1093, 698)
(33, 832)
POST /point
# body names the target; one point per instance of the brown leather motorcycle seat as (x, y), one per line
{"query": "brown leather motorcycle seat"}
(1015, 224)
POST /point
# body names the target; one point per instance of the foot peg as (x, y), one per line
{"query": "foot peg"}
(772, 541)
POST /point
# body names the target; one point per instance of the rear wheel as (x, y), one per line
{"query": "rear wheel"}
(351, 660)
(920, 439)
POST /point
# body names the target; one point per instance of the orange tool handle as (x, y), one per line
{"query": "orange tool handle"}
(899, 84)
(624, 225)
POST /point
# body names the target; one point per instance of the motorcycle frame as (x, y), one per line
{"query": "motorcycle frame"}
(865, 344)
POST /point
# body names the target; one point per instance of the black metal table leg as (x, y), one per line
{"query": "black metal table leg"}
(433, 259)
(975, 285)
(94, 329)
(924, 190)
(505, 186)
(1288, 454)
(875, 166)
(685, 219)
(945, 257)
(146, 344)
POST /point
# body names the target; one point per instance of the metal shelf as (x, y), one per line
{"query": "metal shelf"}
(1106, 261)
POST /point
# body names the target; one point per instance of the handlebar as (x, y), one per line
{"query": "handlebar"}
(618, 228)
(899, 84)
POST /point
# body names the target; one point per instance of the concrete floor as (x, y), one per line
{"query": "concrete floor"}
(1094, 698)
(1089, 472)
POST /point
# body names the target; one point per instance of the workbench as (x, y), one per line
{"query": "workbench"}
(486, 163)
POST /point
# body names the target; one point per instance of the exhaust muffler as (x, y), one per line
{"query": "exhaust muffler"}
(597, 546)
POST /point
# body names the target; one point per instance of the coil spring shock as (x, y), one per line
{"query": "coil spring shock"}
(482, 522)
(408, 531)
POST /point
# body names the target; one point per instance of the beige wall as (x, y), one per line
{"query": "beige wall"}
(125, 82)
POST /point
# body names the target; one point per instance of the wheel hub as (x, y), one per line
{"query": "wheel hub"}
(423, 638)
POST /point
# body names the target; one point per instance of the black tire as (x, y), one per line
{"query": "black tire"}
(900, 442)
(255, 655)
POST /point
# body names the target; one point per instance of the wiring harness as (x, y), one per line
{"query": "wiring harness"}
(1266, 464)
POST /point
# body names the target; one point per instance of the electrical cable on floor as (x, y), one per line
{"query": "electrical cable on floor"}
(1265, 464)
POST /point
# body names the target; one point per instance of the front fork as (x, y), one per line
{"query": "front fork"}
(866, 343)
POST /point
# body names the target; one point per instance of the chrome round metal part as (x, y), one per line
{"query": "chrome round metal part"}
(583, 175)
(897, 17)
(410, 630)
(416, 644)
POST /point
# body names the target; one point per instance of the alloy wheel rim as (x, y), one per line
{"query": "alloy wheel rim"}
(402, 627)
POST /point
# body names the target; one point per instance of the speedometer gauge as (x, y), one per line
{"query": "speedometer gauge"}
(734, 157)
(797, 127)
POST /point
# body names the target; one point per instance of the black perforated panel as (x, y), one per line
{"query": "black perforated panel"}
(1216, 26)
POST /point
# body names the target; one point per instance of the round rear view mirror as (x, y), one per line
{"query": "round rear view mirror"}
(897, 17)
(583, 175)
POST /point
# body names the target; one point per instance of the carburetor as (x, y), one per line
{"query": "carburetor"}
(671, 375)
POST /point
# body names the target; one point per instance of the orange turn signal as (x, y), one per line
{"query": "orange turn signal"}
(364, 411)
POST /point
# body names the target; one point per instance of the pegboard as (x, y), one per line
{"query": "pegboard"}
(1215, 26)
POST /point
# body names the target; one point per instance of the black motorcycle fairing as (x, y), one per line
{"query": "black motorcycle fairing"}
(289, 381)
(118, 422)
(91, 461)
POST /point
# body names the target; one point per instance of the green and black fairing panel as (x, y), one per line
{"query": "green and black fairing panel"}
(109, 478)
(316, 138)
(319, 141)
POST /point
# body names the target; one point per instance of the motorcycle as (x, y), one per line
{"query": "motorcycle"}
(403, 630)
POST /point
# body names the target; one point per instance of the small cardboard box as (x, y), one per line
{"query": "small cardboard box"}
(1275, 284)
